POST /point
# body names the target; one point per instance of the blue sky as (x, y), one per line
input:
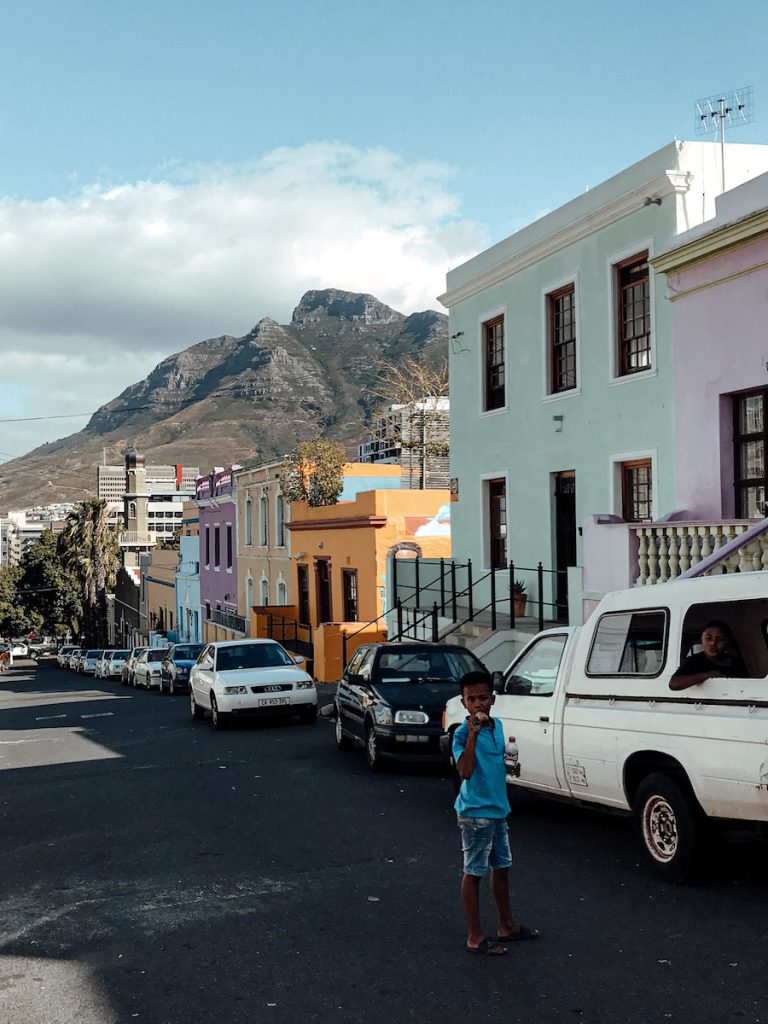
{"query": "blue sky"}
(368, 145)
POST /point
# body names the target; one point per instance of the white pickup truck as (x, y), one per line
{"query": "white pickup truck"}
(596, 721)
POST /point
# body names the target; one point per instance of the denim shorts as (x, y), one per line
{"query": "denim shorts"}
(485, 842)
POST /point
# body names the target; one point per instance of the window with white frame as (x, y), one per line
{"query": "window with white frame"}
(633, 315)
(280, 521)
(494, 389)
(282, 593)
(263, 522)
(248, 522)
(264, 590)
(561, 329)
(496, 522)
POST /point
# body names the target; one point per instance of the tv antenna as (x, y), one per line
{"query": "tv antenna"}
(727, 109)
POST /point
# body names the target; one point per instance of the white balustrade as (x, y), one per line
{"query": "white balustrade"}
(665, 551)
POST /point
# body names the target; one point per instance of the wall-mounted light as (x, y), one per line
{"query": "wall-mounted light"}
(300, 554)
(558, 424)
(652, 201)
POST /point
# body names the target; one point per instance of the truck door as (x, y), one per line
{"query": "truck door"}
(526, 709)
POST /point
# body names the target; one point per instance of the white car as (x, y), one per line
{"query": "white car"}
(62, 657)
(238, 678)
(148, 668)
(101, 663)
(113, 666)
(88, 662)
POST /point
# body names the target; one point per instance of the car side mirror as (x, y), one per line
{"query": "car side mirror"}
(298, 659)
(497, 682)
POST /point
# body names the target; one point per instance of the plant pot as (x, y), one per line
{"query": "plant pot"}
(520, 602)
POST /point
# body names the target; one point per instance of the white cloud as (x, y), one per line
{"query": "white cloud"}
(97, 288)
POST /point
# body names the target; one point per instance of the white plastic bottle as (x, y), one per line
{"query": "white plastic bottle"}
(511, 754)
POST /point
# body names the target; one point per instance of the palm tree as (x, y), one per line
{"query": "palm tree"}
(90, 549)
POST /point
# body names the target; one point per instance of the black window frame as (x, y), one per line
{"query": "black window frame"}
(627, 300)
(497, 539)
(349, 597)
(561, 332)
(494, 364)
(743, 437)
(630, 501)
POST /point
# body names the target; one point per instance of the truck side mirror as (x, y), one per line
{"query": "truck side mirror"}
(497, 682)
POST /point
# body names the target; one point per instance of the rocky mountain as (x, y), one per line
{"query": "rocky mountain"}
(240, 399)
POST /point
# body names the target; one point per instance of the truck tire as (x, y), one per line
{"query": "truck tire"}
(670, 827)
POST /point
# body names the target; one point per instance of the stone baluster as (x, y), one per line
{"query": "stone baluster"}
(706, 543)
(674, 559)
(744, 560)
(755, 553)
(684, 536)
(663, 556)
(642, 556)
(763, 542)
(653, 557)
(695, 546)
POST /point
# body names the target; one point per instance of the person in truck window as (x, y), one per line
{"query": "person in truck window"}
(714, 661)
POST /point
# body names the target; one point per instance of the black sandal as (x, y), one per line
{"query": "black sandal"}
(488, 947)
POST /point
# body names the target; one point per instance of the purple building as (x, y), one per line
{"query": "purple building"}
(218, 556)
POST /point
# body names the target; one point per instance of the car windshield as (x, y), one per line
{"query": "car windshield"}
(137, 651)
(187, 652)
(414, 665)
(269, 655)
(119, 654)
(156, 655)
(94, 654)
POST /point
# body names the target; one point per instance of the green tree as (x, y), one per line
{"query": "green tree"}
(90, 551)
(314, 472)
(13, 615)
(49, 589)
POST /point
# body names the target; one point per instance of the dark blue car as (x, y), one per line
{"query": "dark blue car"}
(174, 676)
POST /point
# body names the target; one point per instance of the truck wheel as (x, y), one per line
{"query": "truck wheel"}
(669, 825)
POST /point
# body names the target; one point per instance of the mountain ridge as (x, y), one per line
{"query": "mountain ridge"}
(229, 399)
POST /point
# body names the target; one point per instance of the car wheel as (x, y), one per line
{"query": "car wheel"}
(372, 752)
(197, 712)
(669, 825)
(309, 715)
(343, 742)
(219, 720)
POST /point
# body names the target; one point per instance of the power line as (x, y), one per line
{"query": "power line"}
(75, 415)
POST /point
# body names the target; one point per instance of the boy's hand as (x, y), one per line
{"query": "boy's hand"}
(476, 721)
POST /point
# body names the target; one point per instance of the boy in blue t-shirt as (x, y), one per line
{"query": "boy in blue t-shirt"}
(482, 808)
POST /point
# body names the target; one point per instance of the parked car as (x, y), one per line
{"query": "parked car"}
(76, 657)
(177, 665)
(126, 672)
(596, 721)
(100, 664)
(19, 648)
(62, 657)
(391, 699)
(238, 678)
(113, 665)
(148, 668)
(88, 662)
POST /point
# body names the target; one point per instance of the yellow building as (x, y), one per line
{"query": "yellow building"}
(340, 561)
(158, 580)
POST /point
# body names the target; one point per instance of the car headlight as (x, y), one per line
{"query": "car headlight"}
(382, 714)
(304, 684)
(231, 690)
(411, 718)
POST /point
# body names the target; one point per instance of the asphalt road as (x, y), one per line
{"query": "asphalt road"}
(152, 870)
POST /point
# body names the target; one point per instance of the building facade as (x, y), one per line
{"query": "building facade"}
(263, 540)
(562, 342)
(217, 510)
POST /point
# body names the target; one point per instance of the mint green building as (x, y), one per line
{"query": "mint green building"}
(562, 391)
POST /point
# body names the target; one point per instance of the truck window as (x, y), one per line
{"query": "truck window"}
(535, 674)
(629, 644)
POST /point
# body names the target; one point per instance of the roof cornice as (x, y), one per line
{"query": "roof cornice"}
(715, 242)
(665, 184)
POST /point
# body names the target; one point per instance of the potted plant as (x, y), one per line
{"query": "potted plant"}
(520, 597)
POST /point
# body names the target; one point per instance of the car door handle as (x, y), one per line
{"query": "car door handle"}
(543, 718)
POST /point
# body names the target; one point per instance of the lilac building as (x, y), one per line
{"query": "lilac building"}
(218, 556)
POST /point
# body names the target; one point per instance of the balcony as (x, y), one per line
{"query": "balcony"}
(227, 619)
(668, 550)
(137, 539)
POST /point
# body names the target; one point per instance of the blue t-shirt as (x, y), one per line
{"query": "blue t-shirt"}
(484, 793)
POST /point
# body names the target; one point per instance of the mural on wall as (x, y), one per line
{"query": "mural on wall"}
(438, 525)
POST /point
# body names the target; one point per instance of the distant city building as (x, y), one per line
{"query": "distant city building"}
(414, 437)
(21, 528)
(160, 480)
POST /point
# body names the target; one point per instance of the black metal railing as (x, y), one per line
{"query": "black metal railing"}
(227, 619)
(294, 636)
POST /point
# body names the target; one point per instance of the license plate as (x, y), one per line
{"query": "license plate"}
(271, 701)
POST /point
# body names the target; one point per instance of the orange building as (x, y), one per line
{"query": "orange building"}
(340, 563)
